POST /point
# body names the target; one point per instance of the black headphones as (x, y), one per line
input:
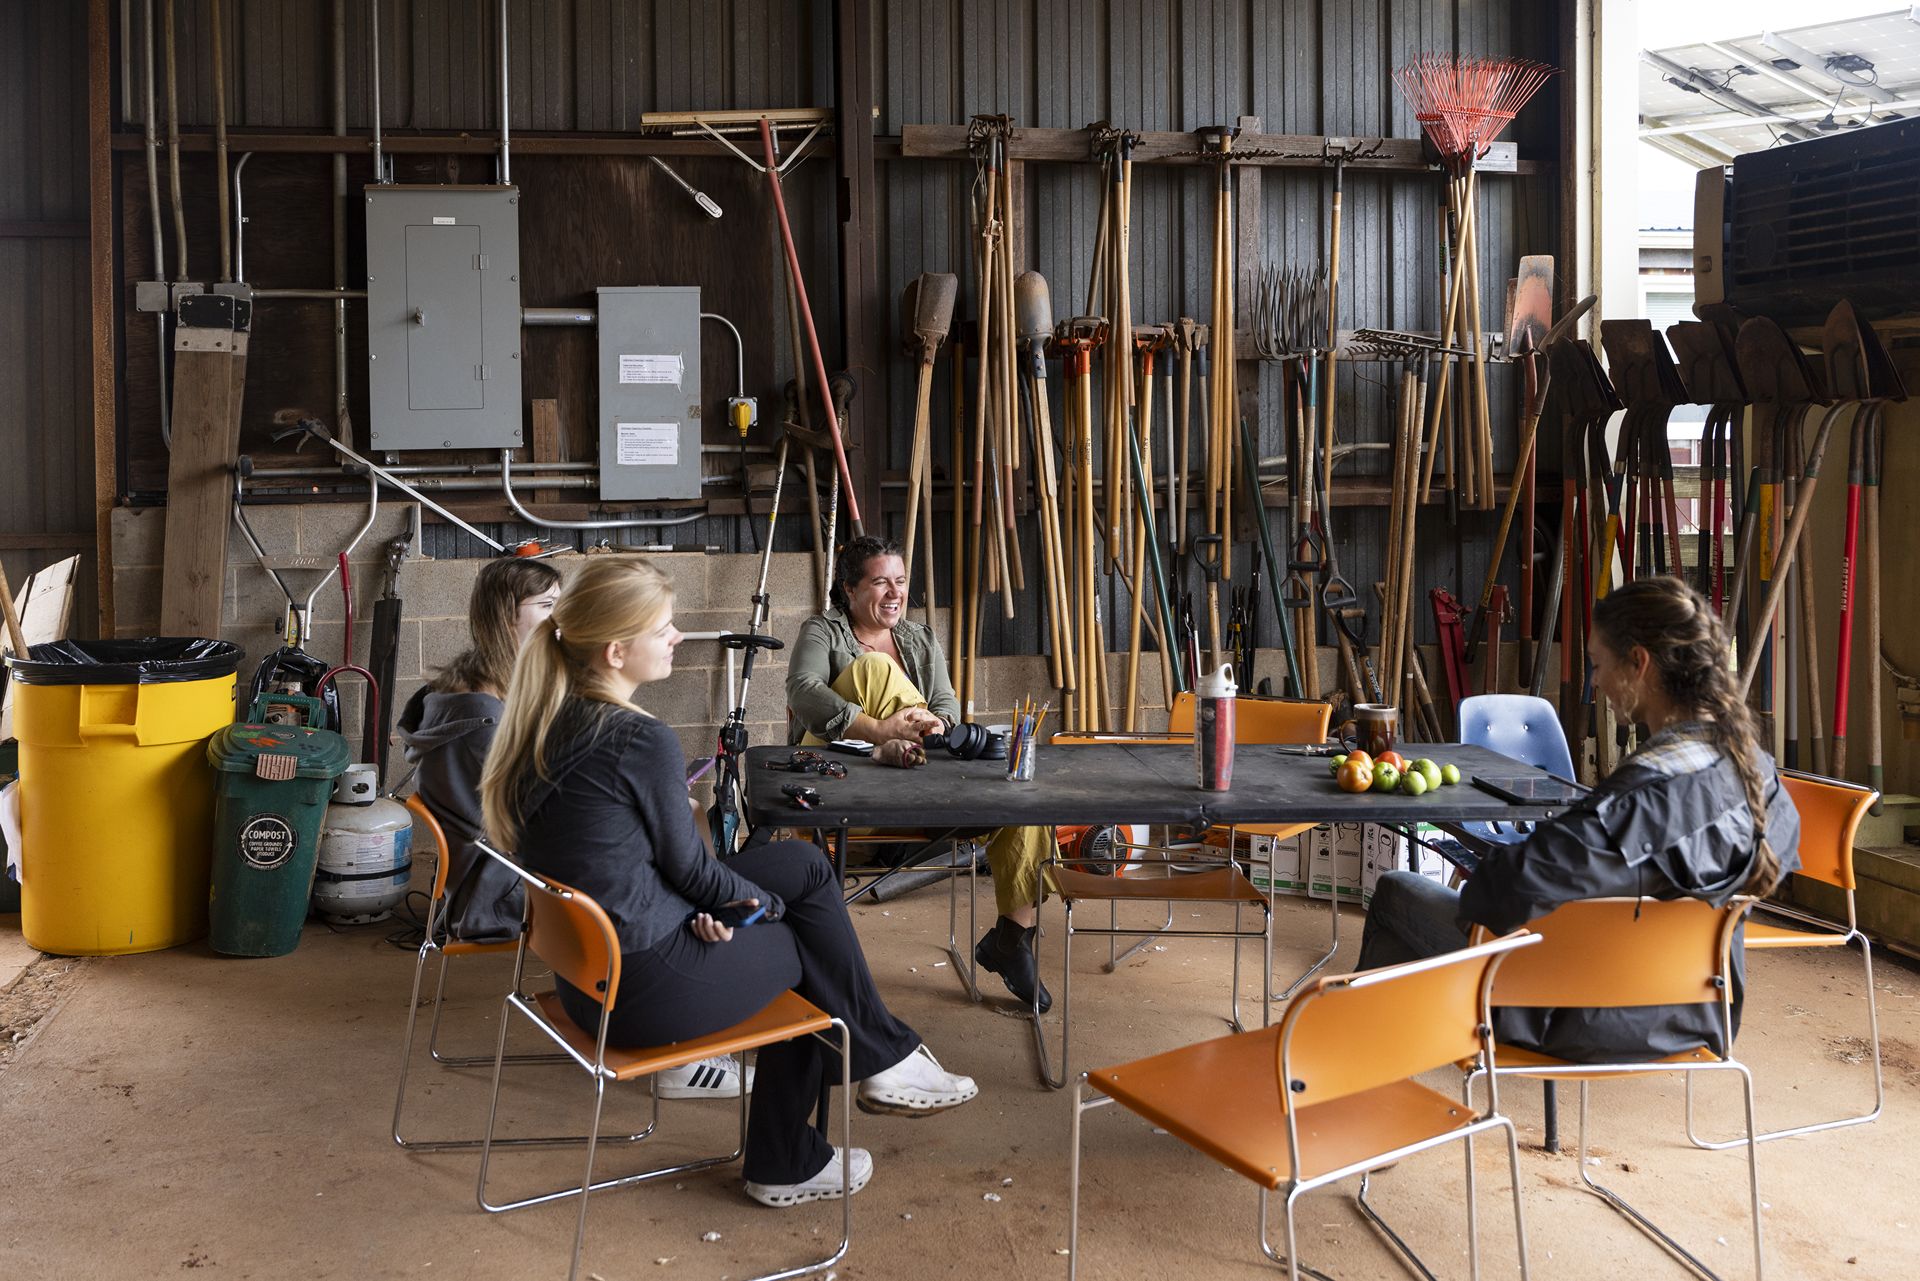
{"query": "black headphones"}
(969, 742)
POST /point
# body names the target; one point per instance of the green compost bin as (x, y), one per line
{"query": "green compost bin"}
(275, 782)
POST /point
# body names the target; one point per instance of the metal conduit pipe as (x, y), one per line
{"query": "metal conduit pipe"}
(373, 27)
(159, 231)
(541, 317)
(240, 221)
(513, 501)
(445, 484)
(215, 22)
(739, 352)
(340, 419)
(173, 147)
(506, 106)
(469, 469)
(330, 295)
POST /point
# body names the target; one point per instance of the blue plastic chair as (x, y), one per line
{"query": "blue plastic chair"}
(1520, 726)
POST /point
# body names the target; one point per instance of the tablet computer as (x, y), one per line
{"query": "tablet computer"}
(1530, 789)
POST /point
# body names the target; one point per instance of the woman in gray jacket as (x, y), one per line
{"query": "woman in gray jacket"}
(1696, 812)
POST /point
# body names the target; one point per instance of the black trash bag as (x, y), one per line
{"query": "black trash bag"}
(145, 660)
(288, 665)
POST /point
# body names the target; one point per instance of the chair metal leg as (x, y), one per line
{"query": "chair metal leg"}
(1814, 1127)
(1295, 1269)
(964, 967)
(1113, 961)
(406, 1065)
(1513, 1175)
(1049, 1077)
(1413, 1261)
(1647, 1225)
(586, 1176)
(1333, 946)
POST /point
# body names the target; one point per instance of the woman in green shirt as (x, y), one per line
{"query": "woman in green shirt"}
(864, 670)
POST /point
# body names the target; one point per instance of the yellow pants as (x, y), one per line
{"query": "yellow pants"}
(1016, 855)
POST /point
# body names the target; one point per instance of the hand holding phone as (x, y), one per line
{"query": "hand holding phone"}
(718, 924)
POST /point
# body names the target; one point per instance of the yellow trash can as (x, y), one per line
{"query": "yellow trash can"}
(116, 797)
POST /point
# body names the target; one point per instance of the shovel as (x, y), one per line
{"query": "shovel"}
(927, 310)
(1033, 310)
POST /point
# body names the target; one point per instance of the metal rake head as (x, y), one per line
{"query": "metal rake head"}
(1464, 103)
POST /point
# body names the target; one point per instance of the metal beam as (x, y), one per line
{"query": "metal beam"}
(1720, 124)
(1712, 92)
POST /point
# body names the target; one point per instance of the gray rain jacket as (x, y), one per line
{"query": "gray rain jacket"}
(446, 737)
(1670, 822)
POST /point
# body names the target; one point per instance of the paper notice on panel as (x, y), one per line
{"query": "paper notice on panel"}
(664, 370)
(647, 444)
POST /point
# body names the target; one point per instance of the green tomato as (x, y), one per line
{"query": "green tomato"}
(1385, 777)
(1415, 783)
(1449, 774)
(1430, 770)
(1337, 762)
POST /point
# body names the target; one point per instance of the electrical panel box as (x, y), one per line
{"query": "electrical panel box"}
(649, 392)
(443, 317)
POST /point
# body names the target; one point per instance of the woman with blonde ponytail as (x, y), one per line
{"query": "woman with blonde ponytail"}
(1696, 812)
(587, 788)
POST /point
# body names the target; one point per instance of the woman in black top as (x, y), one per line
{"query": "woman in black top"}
(1696, 812)
(590, 790)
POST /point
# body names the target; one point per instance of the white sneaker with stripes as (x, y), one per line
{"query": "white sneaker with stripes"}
(717, 1078)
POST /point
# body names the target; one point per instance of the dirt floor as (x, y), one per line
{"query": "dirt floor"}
(179, 1111)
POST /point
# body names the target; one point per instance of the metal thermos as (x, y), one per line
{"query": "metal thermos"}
(1213, 728)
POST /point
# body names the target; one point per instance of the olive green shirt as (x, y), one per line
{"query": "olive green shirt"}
(823, 650)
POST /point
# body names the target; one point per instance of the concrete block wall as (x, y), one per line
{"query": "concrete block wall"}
(712, 593)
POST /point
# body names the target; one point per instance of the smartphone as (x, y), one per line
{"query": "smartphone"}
(851, 746)
(735, 917)
(697, 769)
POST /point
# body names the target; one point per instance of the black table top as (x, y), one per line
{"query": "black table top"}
(1122, 783)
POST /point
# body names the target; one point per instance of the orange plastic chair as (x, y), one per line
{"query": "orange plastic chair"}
(572, 935)
(446, 948)
(1327, 1093)
(1274, 720)
(1615, 953)
(1078, 882)
(1830, 814)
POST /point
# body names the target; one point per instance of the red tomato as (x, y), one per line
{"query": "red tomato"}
(1354, 776)
(1394, 759)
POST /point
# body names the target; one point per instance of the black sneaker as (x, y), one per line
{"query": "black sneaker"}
(1007, 950)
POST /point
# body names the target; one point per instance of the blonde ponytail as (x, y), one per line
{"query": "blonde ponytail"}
(612, 598)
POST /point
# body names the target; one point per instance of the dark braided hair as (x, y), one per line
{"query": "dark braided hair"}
(851, 565)
(1688, 646)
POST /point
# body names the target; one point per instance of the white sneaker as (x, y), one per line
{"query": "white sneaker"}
(915, 1086)
(824, 1186)
(717, 1078)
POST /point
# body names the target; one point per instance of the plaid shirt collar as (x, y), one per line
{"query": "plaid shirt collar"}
(1684, 747)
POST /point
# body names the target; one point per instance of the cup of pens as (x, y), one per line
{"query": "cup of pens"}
(1024, 742)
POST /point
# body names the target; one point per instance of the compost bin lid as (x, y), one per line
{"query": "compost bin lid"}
(145, 660)
(313, 753)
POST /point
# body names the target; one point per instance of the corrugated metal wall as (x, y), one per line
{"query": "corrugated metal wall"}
(46, 437)
(1299, 66)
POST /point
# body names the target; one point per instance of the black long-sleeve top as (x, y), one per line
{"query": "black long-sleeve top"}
(612, 821)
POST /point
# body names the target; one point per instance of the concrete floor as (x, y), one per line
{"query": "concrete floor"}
(177, 1111)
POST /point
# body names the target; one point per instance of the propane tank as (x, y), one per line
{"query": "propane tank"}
(366, 852)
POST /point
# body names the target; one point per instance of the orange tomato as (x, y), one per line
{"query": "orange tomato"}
(1362, 757)
(1394, 759)
(1354, 776)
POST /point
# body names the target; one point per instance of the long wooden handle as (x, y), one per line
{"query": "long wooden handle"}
(16, 639)
(921, 460)
(1777, 585)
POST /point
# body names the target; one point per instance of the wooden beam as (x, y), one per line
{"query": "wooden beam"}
(547, 442)
(863, 306)
(1273, 150)
(100, 271)
(209, 373)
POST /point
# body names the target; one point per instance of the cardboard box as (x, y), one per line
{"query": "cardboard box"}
(1385, 850)
(1278, 867)
(1334, 867)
